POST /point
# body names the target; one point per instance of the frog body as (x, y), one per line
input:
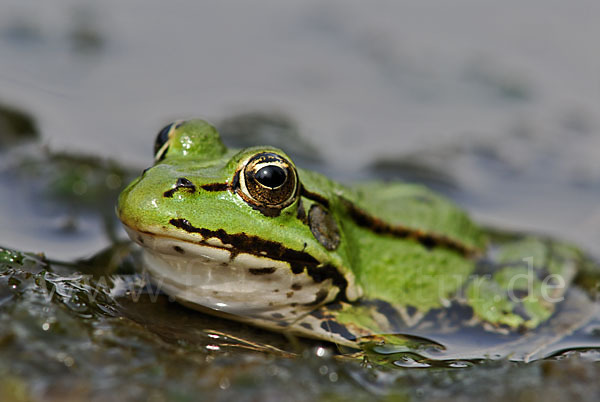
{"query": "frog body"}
(247, 235)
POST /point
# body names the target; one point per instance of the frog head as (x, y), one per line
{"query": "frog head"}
(233, 230)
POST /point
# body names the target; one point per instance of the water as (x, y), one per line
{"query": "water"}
(496, 105)
(74, 335)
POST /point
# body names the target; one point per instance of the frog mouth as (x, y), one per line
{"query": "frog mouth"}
(252, 252)
(209, 273)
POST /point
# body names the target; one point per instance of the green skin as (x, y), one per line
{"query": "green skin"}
(397, 250)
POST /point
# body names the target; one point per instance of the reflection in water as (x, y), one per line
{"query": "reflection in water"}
(573, 327)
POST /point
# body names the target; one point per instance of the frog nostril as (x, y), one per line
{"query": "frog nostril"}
(182, 183)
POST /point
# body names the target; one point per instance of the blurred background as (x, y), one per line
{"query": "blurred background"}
(495, 104)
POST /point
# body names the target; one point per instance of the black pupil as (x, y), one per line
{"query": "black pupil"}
(271, 176)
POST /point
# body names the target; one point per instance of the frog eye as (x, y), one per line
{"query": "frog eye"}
(161, 144)
(268, 180)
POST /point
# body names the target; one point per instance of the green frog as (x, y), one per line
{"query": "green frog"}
(247, 235)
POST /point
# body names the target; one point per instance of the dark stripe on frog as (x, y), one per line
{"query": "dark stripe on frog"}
(388, 311)
(319, 298)
(261, 271)
(337, 328)
(299, 261)
(319, 313)
(428, 240)
(305, 193)
(215, 187)
(182, 183)
(314, 196)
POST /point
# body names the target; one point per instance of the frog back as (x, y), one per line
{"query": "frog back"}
(412, 248)
(418, 212)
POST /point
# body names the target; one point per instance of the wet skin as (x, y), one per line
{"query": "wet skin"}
(247, 235)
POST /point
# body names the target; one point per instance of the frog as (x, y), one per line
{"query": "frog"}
(247, 235)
